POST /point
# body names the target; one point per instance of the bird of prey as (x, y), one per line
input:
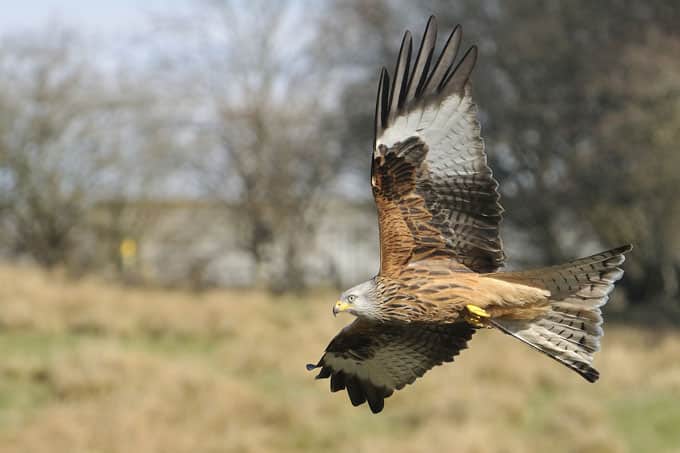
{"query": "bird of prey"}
(440, 249)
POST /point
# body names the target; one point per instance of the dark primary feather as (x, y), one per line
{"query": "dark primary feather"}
(381, 107)
(372, 360)
(400, 83)
(444, 63)
(456, 80)
(422, 64)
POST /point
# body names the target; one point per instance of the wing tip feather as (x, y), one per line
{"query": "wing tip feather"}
(381, 104)
(457, 80)
(401, 76)
(418, 77)
(410, 86)
(444, 62)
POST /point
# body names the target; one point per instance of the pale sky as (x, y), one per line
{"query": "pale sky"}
(101, 16)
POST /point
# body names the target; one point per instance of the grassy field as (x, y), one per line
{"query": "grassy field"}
(89, 367)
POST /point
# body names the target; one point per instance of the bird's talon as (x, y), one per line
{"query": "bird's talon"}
(476, 316)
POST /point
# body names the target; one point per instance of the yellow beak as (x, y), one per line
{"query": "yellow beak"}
(340, 306)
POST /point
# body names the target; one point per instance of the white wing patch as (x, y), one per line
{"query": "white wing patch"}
(431, 122)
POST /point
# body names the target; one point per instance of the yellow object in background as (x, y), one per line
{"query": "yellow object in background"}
(128, 249)
(128, 255)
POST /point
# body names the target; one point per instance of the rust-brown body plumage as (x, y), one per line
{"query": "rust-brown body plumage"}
(440, 248)
(434, 291)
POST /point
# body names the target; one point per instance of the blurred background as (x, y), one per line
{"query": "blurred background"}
(184, 187)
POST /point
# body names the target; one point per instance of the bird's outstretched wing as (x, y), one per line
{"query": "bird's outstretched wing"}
(372, 360)
(435, 194)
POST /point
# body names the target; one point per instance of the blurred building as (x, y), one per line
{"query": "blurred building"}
(201, 243)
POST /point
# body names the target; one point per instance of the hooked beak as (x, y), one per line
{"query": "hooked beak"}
(340, 306)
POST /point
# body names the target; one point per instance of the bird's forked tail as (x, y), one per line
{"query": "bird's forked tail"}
(570, 330)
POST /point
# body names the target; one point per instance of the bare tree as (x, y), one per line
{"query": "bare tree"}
(67, 142)
(262, 108)
(44, 133)
(640, 137)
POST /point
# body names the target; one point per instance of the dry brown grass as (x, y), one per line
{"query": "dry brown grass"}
(89, 367)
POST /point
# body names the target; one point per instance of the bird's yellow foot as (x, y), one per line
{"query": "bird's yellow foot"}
(476, 316)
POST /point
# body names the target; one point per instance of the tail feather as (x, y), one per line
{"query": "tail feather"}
(570, 330)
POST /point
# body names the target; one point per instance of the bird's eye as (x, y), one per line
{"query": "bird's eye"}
(351, 298)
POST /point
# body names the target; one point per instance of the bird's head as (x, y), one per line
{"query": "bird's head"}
(359, 301)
